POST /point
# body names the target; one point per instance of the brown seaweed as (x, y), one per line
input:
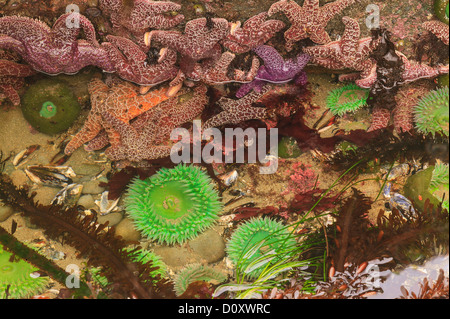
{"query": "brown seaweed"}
(95, 241)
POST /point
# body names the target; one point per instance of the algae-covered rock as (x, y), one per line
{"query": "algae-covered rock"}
(50, 106)
(417, 188)
(441, 9)
(288, 148)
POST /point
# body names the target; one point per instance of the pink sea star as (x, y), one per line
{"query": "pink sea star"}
(216, 72)
(143, 15)
(141, 140)
(308, 20)
(350, 52)
(131, 63)
(11, 75)
(236, 111)
(255, 32)
(412, 71)
(199, 41)
(57, 49)
(122, 101)
(402, 113)
(439, 29)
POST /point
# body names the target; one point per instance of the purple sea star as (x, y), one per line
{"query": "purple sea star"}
(131, 63)
(308, 20)
(236, 111)
(141, 139)
(141, 16)
(350, 52)
(54, 50)
(275, 70)
(255, 32)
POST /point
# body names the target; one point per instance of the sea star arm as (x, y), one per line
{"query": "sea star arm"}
(439, 29)
(9, 43)
(236, 111)
(90, 55)
(255, 32)
(272, 59)
(152, 14)
(331, 9)
(68, 26)
(10, 92)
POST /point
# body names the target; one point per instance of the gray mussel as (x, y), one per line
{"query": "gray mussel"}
(55, 176)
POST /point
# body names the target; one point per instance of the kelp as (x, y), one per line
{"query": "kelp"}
(95, 241)
(386, 148)
(357, 240)
(46, 266)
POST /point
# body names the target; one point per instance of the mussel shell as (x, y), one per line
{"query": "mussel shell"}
(55, 176)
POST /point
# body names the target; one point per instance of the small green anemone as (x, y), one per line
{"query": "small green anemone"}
(174, 205)
(50, 106)
(258, 238)
(196, 272)
(19, 276)
(349, 98)
(431, 113)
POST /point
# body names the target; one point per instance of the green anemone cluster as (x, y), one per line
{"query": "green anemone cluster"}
(348, 98)
(441, 9)
(431, 114)
(20, 276)
(174, 205)
(256, 239)
(50, 106)
(196, 272)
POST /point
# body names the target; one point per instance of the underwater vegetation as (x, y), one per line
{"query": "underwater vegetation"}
(193, 273)
(19, 279)
(50, 106)
(431, 114)
(94, 241)
(174, 205)
(256, 238)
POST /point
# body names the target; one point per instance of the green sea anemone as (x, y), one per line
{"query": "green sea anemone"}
(50, 106)
(439, 184)
(20, 277)
(431, 112)
(196, 272)
(256, 239)
(349, 98)
(174, 205)
(441, 9)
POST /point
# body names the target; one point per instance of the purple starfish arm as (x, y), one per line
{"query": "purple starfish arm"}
(275, 69)
(271, 58)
